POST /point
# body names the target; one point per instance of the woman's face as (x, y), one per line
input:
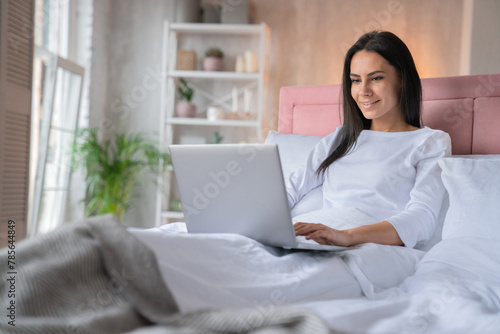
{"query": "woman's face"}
(376, 87)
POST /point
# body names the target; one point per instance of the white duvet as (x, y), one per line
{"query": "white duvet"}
(454, 288)
(228, 270)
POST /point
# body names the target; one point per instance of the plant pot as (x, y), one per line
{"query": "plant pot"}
(185, 109)
(213, 64)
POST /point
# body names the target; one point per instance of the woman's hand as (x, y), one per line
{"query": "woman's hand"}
(381, 233)
(323, 234)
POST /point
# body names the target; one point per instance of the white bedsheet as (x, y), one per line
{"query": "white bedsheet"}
(456, 289)
(227, 270)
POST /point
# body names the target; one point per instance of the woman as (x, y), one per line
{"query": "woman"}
(381, 161)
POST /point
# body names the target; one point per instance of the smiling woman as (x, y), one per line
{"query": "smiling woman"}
(376, 52)
(381, 136)
(376, 91)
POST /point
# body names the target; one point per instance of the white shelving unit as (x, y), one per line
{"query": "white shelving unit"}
(211, 89)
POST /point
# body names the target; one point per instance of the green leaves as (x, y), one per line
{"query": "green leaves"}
(214, 52)
(112, 167)
(185, 91)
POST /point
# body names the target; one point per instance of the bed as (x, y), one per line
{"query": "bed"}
(456, 284)
(94, 276)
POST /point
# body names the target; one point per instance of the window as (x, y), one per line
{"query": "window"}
(57, 86)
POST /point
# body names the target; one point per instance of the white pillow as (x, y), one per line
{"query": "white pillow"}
(312, 201)
(473, 185)
(294, 150)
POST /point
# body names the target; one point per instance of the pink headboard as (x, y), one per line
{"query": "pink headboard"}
(466, 107)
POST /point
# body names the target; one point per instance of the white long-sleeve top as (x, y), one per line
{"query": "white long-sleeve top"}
(392, 176)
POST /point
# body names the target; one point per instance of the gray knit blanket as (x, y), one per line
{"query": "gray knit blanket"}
(93, 276)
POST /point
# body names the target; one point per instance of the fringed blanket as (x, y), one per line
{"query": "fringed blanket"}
(93, 276)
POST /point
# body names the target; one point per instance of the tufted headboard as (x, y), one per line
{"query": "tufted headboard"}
(466, 107)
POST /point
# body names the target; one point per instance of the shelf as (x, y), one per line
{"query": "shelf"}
(172, 214)
(214, 75)
(206, 122)
(207, 28)
(213, 88)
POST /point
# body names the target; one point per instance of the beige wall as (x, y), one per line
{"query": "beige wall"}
(310, 37)
(484, 53)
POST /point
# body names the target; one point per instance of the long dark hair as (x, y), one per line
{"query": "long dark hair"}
(395, 51)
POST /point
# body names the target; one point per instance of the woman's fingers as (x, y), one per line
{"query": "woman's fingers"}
(306, 228)
(321, 234)
(316, 232)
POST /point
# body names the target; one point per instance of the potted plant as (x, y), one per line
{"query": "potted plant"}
(112, 168)
(184, 107)
(217, 138)
(213, 60)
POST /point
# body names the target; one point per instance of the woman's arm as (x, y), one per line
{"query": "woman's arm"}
(380, 233)
(418, 221)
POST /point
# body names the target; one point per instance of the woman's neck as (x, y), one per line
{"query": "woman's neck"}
(395, 126)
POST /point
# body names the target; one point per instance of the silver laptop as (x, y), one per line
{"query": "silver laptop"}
(236, 188)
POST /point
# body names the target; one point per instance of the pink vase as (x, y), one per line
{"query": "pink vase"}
(213, 64)
(185, 109)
